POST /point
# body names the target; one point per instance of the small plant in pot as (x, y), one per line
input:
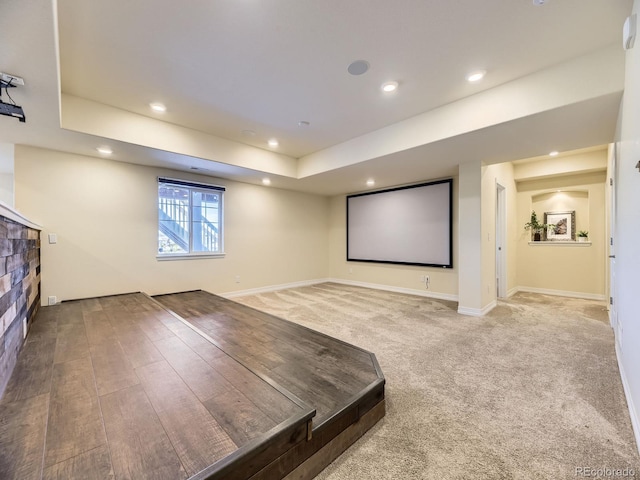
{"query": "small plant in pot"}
(536, 227)
(583, 236)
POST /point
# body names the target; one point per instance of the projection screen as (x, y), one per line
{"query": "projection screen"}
(409, 225)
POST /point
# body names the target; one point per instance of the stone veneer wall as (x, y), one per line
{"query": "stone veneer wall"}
(19, 289)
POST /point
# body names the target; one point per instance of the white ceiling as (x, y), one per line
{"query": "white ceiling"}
(222, 67)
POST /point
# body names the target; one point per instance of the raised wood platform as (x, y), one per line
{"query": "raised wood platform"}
(121, 387)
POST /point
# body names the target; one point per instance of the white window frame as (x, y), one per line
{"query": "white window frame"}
(193, 187)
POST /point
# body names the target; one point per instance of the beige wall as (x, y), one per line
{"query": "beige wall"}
(106, 229)
(492, 175)
(104, 214)
(6, 173)
(471, 286)
(444, 282)
(560, 268)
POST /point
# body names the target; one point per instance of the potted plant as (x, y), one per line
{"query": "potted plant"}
(535, 226)
(583, 236)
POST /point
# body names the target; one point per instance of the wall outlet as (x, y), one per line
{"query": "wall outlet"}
(52, 300)
(237, 278)
(421, 278)
(350, 270)
(427, 281)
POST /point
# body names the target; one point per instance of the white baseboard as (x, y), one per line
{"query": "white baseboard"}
(272, 288)
(633, 411)
(512, 292)
(562, 293)
(477, 312)
(390, 288)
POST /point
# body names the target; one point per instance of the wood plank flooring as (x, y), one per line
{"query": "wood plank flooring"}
(320, 370)
(117, 387)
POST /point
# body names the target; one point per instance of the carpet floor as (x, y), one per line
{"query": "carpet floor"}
(530, 391)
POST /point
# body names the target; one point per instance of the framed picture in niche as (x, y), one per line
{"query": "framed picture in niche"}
(561, 226)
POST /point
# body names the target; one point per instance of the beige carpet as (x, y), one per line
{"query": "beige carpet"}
(531, 391)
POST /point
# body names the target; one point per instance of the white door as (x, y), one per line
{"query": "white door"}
(501, 259)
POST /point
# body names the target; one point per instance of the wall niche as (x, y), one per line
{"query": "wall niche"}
(564, 201)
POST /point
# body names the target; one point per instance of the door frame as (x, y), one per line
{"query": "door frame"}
(613, 311)
(501, 235)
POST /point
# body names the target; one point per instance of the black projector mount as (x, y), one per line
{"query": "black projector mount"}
(10, 109)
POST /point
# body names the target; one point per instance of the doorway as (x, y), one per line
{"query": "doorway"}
(501, 258)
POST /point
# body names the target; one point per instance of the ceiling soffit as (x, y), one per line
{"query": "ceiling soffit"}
(553, 89)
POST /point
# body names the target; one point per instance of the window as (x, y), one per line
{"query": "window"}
(189, 218)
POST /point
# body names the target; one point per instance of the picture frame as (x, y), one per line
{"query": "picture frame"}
(561, 226)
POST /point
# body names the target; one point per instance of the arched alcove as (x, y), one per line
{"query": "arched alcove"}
(563, 201)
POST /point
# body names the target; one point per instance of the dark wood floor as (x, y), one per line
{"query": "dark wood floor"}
(320, 370)
(118, 387)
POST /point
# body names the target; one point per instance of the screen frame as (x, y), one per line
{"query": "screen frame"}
(447, 265)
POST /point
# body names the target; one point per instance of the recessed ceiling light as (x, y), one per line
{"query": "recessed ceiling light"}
(303, 123)
(104, 150)
(266, 181)
(476, 76)
(389, 87)
(273, 142)
(158, 107)
(539, 2)
(554, 153)
(371, 182)
(358, 67)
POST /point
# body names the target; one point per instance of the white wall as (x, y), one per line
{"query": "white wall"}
(443, 282)
(628, 232)
(105, 216)
(6, 173)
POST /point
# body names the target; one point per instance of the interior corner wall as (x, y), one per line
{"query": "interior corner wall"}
(443, 282)
(627, 232)
(105, 216)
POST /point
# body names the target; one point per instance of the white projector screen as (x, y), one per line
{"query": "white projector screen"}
(408, 225)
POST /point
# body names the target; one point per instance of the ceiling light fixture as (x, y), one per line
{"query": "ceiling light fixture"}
(104, 150)
(476, 76)
(554, 153)
(273, 143)
(158, 107)
(371, 182)
(266, 181)
(389, 87)
(303, 123)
